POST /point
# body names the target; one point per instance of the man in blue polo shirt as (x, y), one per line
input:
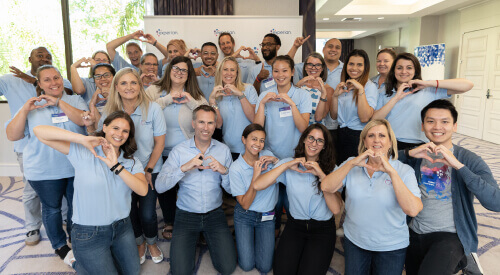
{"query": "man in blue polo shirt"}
(206, 73)
(200, 166)
(261, 75)
(226, 44)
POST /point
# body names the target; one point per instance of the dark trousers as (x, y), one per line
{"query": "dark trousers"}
(305, 247)
(347, 145)
(404, 145)
(167, 202)
(433, 253)
(143, 215)
(282, 202)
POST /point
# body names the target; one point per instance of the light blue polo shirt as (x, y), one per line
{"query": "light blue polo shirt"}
(100, 197)
(206, 83)
(120, 63)
(175, 134)
(381, 88)
(348, 110)
(405, 115)
(265, 84)
(199, 191)
(90, 88)
(240, 178)
(17, 92)
(234, 119)
(40, 161)
(282, 135)
(374, 220)
(145, 131)
(245, 66)
(306, 201)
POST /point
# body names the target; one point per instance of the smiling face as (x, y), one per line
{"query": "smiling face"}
(282, 73)
(438, 126)
(209, 55)
(128, 87)
(117, 132)
(226, 45)
(355, 66)
(174, 52)
(150, 65)
(270, 48)
(51, 82)
(384, 63)
(332, 50)
(404, 71)
(134, 53)
(106, 78)
(177, 76)
(204, 126)
(229, 72)
(377, 139)
(314, 67)
(39, 57)
(314, 143)
(101, 58)
(254, 143)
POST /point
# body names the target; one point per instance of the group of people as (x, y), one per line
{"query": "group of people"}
(316, 139)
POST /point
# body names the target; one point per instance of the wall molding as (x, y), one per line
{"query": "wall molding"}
(10, 170)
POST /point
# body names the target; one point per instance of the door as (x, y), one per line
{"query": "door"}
(491, 130)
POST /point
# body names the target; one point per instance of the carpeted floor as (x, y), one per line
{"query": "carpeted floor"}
(17, 258)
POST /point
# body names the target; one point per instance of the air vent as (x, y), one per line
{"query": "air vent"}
(351, 19)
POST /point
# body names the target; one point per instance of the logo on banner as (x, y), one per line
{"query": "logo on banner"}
(159, 32)
(217, 32)
(275, 31)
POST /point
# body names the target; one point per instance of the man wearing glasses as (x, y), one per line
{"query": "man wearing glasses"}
(261, 76)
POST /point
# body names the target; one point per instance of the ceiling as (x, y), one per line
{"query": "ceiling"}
(376, 15)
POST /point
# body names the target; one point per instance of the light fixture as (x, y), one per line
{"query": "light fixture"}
(380, 18)
(326, 19)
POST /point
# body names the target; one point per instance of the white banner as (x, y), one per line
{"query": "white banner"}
(247, 31)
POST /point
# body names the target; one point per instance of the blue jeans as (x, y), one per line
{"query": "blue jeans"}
(51, 194)
(108, 249)
(254, 240)
(143, 215)
(361, 261)
(187, 229)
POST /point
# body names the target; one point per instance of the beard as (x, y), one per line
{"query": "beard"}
(272, 54)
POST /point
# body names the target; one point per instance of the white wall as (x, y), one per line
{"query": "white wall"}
(8, 160)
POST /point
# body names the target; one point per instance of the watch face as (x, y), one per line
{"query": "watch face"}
(149, 170)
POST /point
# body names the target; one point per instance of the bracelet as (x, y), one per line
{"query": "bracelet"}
(114, 167)
(437, 86)
(407, 152)
(154, 44)
(118, 171)
(242, 96)
(227, 171)
(323, 99)
(361, 93)
(215, 107)
(257, 79)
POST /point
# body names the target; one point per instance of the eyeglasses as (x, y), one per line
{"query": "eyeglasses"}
(262, 45)
(319, 141)
(151, 64)
(179, 70)
(314, 66)
(101, 60)
(104, 75)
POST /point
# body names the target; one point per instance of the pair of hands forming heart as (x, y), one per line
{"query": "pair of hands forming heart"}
(84, 62)
(302, 166)
(345, 87)
(436, 154)
(193, 53)
(262, 163)
(181, 98)
(144, 37)
(36, 102)
(251, 53)
(277, 98)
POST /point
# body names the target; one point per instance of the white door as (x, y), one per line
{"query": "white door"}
(479, 109)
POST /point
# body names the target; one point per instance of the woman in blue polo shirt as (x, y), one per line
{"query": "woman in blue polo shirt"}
(380, 192)
(106, 173)
(385, 58)
(308, 241)
(148, 69)
(353, 102)
(235, 102)
(48, 171)
(253, 213)
(87, 86)
(406, 94)
(127, 94)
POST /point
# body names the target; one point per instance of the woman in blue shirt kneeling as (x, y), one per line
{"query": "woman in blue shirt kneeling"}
(380, 192)
(106, 173)
(308, 241)
(254, 211)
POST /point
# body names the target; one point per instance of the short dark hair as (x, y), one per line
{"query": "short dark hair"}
(252, 128)
(206, 108)
(276, 38)
(208, 44)
(106, 65)
(440, 104)
(324, 71)
(224, 34)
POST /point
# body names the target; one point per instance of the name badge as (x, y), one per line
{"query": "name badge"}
(268, 216)
(59, 118)
(269, 82)
(285, 111)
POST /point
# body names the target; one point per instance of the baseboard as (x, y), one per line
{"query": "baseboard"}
(10, 170)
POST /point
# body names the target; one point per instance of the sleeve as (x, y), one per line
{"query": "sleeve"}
(3, 85)
(159, 124)
(225, 178)
(170, 173)
(87, 84)
(77, 153)
(119, 63)
(136, 167)
(235, 180)
(371, 92)
(67, 84)
(282, 178)
(251, 75)
(381, 101)
(164, 101)
(80, 103)
(344, 182)
(298, 74)
(195, 103)
(101, 121)
(305, 104)
(409, 179)
(441, 93)
(251, 94)
(153, 92)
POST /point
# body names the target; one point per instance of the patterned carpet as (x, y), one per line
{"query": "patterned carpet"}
(17, 258)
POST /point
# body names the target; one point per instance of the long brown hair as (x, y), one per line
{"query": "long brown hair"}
(129, 147)
(391, 82)
(363, 79)
(326, 159)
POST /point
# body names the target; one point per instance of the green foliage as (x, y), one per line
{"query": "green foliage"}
(131, 19)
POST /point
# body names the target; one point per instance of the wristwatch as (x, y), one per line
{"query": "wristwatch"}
(149, 170)
(215, 107)
(242, 96)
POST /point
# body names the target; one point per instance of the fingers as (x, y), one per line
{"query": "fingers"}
(305, 39)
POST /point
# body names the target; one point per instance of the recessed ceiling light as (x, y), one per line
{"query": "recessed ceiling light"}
(326, 18)
(380, 18)
(351, 19)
